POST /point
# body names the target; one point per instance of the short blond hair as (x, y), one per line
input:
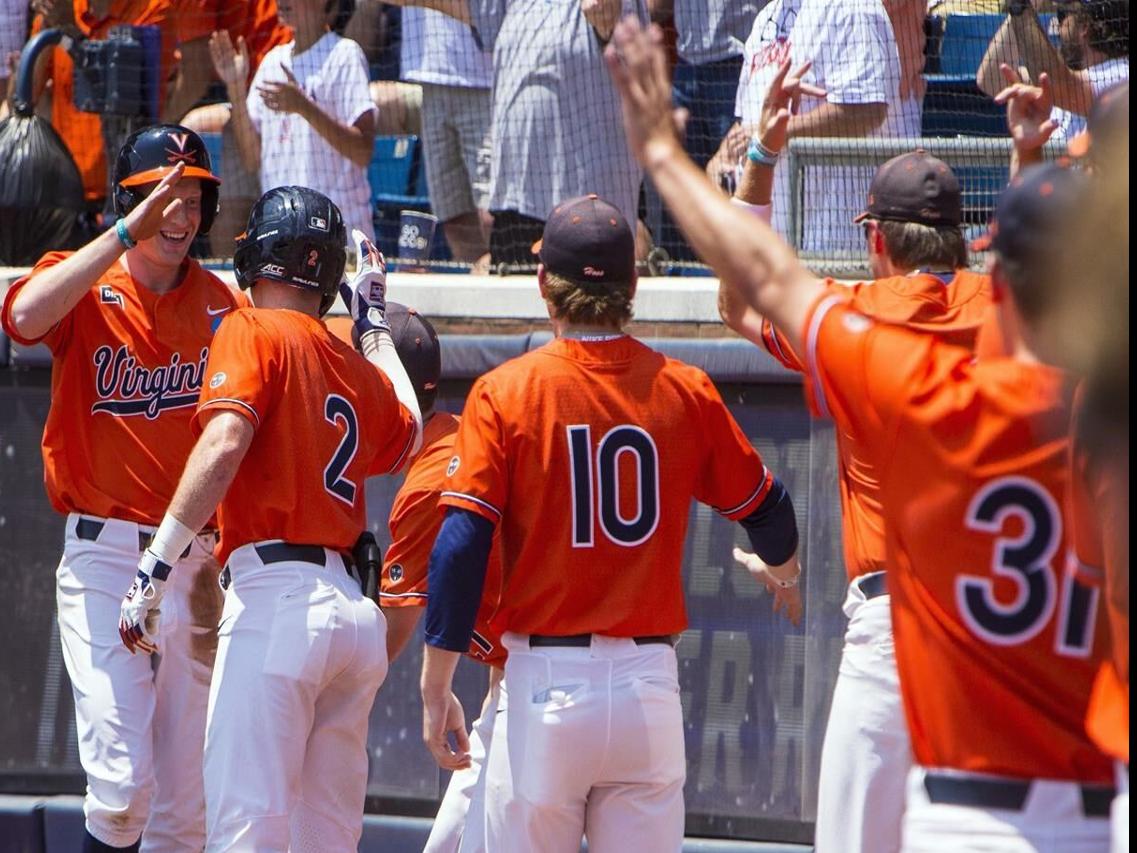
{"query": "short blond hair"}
(589, 303)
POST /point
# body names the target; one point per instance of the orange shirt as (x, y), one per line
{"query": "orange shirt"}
(954, 311)
(325, 419)
(255, 20)
(972, 459)
(1099, 513)
(82, 132)
(126, 372)
(587, 453)
(414, 523)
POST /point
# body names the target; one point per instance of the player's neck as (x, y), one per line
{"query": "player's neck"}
(580, 331)
(267, 293)
(158, 278)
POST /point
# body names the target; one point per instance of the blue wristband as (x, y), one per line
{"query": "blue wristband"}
(123, 234)
(758, 153)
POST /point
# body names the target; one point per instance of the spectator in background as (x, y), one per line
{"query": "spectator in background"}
(84, 133)
(907, 18)
(710, 40)
(855, 60)
(13, 34)
(257, 22)
(440, 53)
(307, 118)
(1092, 55)
(556, 130)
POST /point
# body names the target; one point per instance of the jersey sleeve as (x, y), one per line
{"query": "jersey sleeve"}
(856, 70)
(777, 345)
(862, 373)
(239, 373)
(477, 478)
(734, 479)
(57, 335)
(352, 91)
(414, 525)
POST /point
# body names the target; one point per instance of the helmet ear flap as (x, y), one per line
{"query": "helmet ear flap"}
(244, 259)
(210, 206)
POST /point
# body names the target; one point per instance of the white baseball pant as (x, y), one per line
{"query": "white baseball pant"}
(460, 825)
(300, 655)
(590, 743)
(140, 719)
(1119, 812)
(1051, 819)
(867, 754)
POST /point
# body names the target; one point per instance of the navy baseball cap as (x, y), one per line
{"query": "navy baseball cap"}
(417, 345)
(1035, 213)
(588, 240)
(915, 187)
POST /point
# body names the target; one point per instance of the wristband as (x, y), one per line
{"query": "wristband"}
(758, 153)
(171, 540)
(124, 235)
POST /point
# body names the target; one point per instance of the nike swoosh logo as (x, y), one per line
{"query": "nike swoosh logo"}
(209, 309)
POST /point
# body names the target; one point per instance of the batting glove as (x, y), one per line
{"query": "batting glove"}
(138, 619)
(366, 295)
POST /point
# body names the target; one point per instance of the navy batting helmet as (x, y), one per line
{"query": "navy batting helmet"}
(149, 154)
(295, 235)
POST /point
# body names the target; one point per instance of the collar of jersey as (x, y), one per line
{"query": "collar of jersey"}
(592, 337)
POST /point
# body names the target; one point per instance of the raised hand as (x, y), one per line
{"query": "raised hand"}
(232, 66)
(284, 96)
(638, 65)
(1028, 108)
(781, 102)
(143, 222)
(365, 296)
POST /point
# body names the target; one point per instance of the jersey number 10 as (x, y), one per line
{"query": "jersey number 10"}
(620, 529)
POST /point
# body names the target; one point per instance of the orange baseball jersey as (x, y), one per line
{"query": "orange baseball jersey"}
(1099, 518)
(127, 369)
(325, 419)
(954, 309)
(82, 132)
(414, 524)
(997, 643)
(587, 453)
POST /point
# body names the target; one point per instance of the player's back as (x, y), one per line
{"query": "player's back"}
(595, 450)
(954, 309)
(989, 624)
(996, 643)
(325, 419)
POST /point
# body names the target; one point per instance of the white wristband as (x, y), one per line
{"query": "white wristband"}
(171, 540)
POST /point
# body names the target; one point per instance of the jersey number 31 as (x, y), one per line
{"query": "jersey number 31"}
(1026, 560)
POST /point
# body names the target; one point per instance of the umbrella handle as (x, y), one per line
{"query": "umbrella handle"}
(22, 100)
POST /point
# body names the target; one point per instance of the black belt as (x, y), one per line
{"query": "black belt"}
(281, 552)
(583, 640)
(1006, 794)
(873, 585)
(89, 529)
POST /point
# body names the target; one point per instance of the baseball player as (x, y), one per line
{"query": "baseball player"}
(585, 455)
(414, 523)
(996, 645)
(291, 421)
(129, 319)
(918, 258)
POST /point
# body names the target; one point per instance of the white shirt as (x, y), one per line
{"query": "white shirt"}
(440, 50)
(333, 74)
(856, 61)
(1102, 76)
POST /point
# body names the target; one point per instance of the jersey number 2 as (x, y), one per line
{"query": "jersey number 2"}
(338, 411)
(618, 440)
(1026, 560)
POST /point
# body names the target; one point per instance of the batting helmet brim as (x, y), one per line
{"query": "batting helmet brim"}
(152, 176)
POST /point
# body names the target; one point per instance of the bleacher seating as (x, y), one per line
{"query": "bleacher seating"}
(398, 182)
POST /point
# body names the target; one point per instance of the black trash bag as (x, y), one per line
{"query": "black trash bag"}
(41, 190)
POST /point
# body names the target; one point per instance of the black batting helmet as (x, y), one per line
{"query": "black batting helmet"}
(149, 154)
(295, 235)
